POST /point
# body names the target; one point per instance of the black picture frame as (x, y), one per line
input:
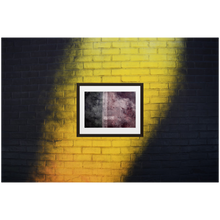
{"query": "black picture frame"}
(112, 132)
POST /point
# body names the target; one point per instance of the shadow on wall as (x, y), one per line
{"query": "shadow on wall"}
(28, 70)
(185, 147)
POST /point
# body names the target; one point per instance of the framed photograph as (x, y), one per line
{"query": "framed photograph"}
(110, 109)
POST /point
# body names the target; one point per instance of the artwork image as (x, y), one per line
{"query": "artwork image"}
(110, 109)
(115, 108)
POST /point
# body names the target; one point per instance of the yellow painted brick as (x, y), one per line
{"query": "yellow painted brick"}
(128, 39)
(122, 172)
(102, 72)
(92, 79)
(53, 149)
(158, 44)
(82, 171)
(103, 143)
(69, 94)
(45, 170)
(151, 93)
(65, 101)
(73, 164)
(140, 44)
(148, 37)
(120, 44)
(101, 158)
(120, 157)
(72, 150)
(111, 79)
(139, 57)
(148, 64)
(129, 51)
(105, 172)
(82, 157)
(151, 107)
(110, 37)
(176, 44)
(153, 121)
(159, 85)
(166, 51)
(147, 51)
(83, 59)
(115, 165)
(158, 57)
(158, 71)
(72, 66)
(121, 57)
(93, 150)
(72, 178)
(120, 143)
(149, 78)
(110, 179)
(165, 37)
(112, 150)
(130, 79)
(94, 178)
(146, 114)
(102, 45)
(64, 143)
(159, 100)
(130, 71)
(45, 156)
(54, 178)
(53, 135)
(82, 143)
(94, 65)
(137, 143)
(130, 64)
(64, 128)
(63, 171)
(92, 164)
(55, 164)
(101, 58)
(126, 164)
(165, 92)
(167, 79)
(129, 150)
(111, 64)
(155, 114)
(86, 45)
(64, 157)
(91, 38)
(166, 64)
(146, 100)
(92, 52)
(84, 72)
(110, 51)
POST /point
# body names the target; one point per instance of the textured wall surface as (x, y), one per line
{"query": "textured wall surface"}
(180, 141)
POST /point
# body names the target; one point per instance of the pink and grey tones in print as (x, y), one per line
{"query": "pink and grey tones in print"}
(110, 109)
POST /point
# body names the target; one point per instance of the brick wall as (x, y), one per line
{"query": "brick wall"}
(180, 79)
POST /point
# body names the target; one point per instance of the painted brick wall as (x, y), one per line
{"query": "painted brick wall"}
(180, 79)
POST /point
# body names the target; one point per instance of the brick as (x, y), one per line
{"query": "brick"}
(130, 79)
(120, 44)
(149, 64)
(120, 157)
(91, 52)
(130, 64)
(158, 44)
(159, 85)
(92, 79)
(106, 158)
(129, 51)
(121, 57)
(105, 172)
(64, 157)
(140, 44)
(102, 72)
(73, 164)
(91, 150)
(110, 51)
(101, 58)
(104, 143)
(63, 171)
(54, 164)
(111, 165)
(82, 157)
(110, 39)
(111, 150)
(94, 65)
(121, 143)
(109, 79)
(102, 45)
(92, 164)
(111, 65)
